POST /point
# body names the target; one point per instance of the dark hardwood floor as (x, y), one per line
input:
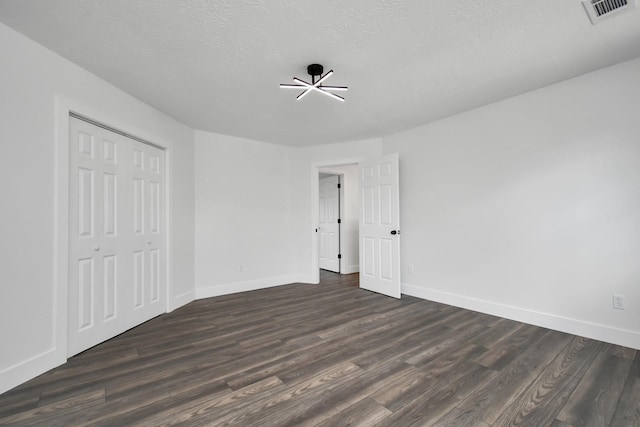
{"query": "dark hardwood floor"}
(333, 355)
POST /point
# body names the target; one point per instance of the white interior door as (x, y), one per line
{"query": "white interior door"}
(380, 226)
(116, 241)
(329, 227)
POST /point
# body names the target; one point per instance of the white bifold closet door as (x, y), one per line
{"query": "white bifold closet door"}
(117, 234)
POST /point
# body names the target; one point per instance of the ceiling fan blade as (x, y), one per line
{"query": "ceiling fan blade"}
(302, 82)
(334, 87)
(323, 78)
(291, 86)
(304, 93)
(332, 95)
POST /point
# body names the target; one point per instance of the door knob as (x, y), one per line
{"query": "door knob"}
(96, 248)
(148, 242)
(394, 232)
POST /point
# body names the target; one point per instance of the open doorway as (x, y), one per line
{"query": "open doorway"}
(376, 223)
(337, 220)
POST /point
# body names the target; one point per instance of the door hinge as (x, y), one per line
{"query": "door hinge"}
(339, 256)
(338, 185)
(339, 221)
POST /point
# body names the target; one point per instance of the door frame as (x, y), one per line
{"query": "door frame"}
(340, 189)
(315, 205)
(64, 106)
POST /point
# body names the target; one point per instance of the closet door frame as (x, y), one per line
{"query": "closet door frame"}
(63, 108)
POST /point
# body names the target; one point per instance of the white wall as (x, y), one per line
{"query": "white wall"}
(242, 215)
(254, 210)
(305, 164)
(529, 208)
(349, 203)
(31, 79)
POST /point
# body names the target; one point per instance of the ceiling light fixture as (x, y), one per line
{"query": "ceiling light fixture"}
(315, 70)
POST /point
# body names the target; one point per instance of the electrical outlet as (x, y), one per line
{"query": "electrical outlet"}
(410, 269)
(618, 301)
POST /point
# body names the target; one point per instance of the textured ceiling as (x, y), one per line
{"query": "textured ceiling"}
(216, 65)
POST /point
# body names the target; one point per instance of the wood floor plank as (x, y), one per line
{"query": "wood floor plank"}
(542, 401)
(290, 368)
(292, 400)
(129, 370)
(489, 401)
(501, 330)
(627, 412)
(366, 323)
(14, 403)
(333, 354)
(315, 411)
(434, 348)
(164, 380)
(427, 377)
(363, 413)
(288, 362)
(73, 371)
(507, 350)
(488, 319)
(623, 352)
(458, 418)
(399, 344)
(42, 414)
(191, 411)
(594, 400)
(558, 423)
(440, 395)
(135, 409)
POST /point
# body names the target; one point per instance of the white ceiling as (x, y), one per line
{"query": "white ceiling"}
(216, 65)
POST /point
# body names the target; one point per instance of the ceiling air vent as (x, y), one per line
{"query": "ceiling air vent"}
(601, 9)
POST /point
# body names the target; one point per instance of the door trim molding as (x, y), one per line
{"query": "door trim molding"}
(314, 274)
(339, 189)
(111, 129)
(64, 108)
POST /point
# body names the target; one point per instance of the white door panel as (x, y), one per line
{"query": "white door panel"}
(379, 226)
(116, 272)
(328, 227)
(147, 275)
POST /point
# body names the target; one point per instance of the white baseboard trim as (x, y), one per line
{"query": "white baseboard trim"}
(301, 278)
(180, 300)
(349, 269)
(24, 371)
(623, 337)
(306, 279)
(204, 291)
